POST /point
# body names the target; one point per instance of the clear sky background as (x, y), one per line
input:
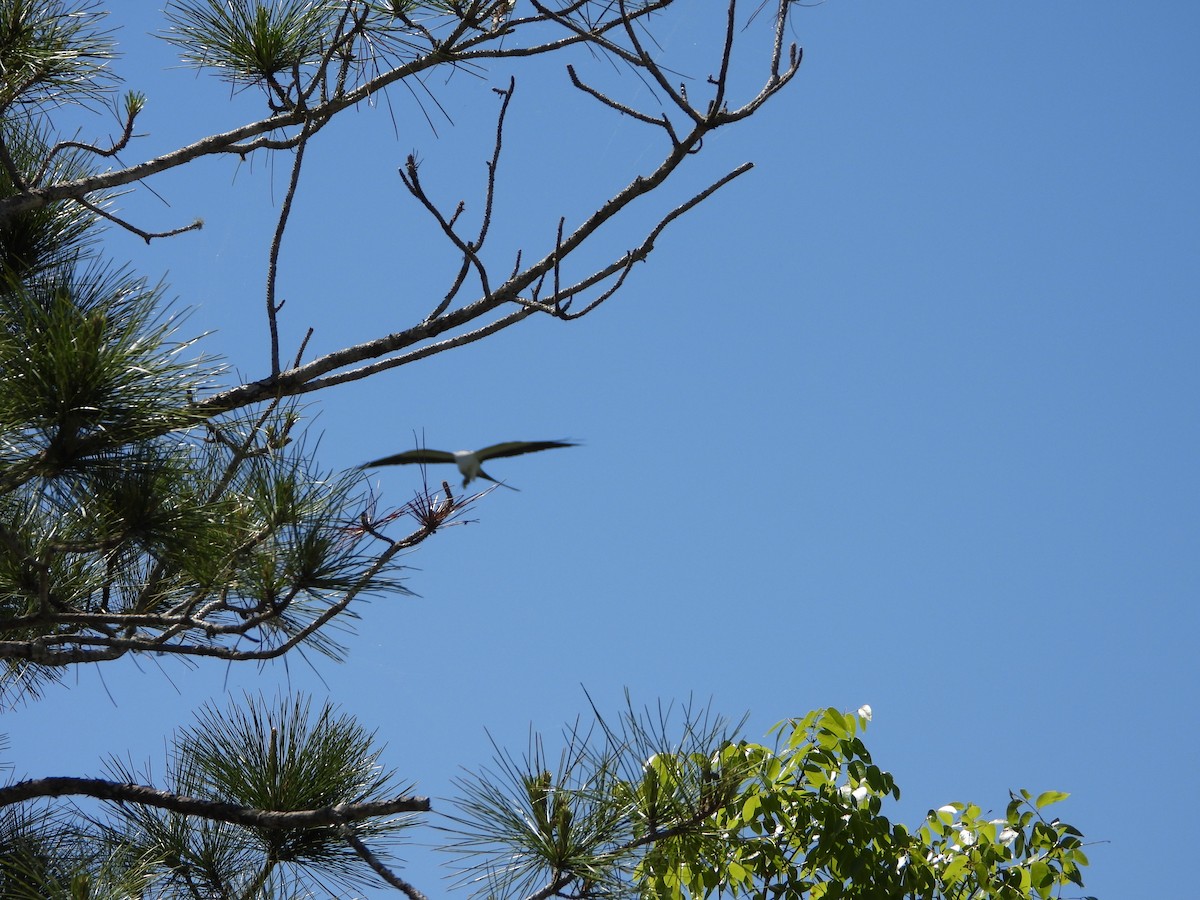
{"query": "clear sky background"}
(907, 416)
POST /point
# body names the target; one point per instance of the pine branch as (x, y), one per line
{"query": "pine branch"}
(216, 811)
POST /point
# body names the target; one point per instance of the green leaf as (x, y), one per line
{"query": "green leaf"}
(1042, 877)
(1047, 797)
(750, 808)
(954, 869)
(837, 723)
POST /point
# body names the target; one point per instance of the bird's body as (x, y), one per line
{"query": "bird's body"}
(470, 462)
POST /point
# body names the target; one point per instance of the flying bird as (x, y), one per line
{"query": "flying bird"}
(470, 462)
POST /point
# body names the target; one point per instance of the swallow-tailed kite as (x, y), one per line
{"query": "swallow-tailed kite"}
(470, 461)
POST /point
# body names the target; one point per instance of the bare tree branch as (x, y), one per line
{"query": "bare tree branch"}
(213, 810)
(146, 236)
(285, 209)
(112, 150)
(453, 50)
(381, 870)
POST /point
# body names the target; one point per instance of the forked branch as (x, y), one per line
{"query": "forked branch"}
(448, 326)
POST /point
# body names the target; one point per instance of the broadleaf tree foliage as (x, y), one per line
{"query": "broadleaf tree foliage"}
(148, 505)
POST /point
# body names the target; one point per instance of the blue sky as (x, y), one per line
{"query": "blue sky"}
(905, 416)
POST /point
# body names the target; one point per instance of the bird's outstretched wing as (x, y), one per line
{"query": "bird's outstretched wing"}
(411, 456)
(516, 448)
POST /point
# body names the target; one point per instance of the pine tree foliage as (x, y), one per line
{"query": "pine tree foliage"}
(649, 809)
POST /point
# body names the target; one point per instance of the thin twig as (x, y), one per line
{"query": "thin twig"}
(112, 150)
(147, 236)
(381, 870)
(285, 209)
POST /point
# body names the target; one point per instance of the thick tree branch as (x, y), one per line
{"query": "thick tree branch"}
(297, 380)
(213, 810)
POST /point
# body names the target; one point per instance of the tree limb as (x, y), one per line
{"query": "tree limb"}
(217, 811)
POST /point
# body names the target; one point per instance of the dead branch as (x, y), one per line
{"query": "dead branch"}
(522, 286)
